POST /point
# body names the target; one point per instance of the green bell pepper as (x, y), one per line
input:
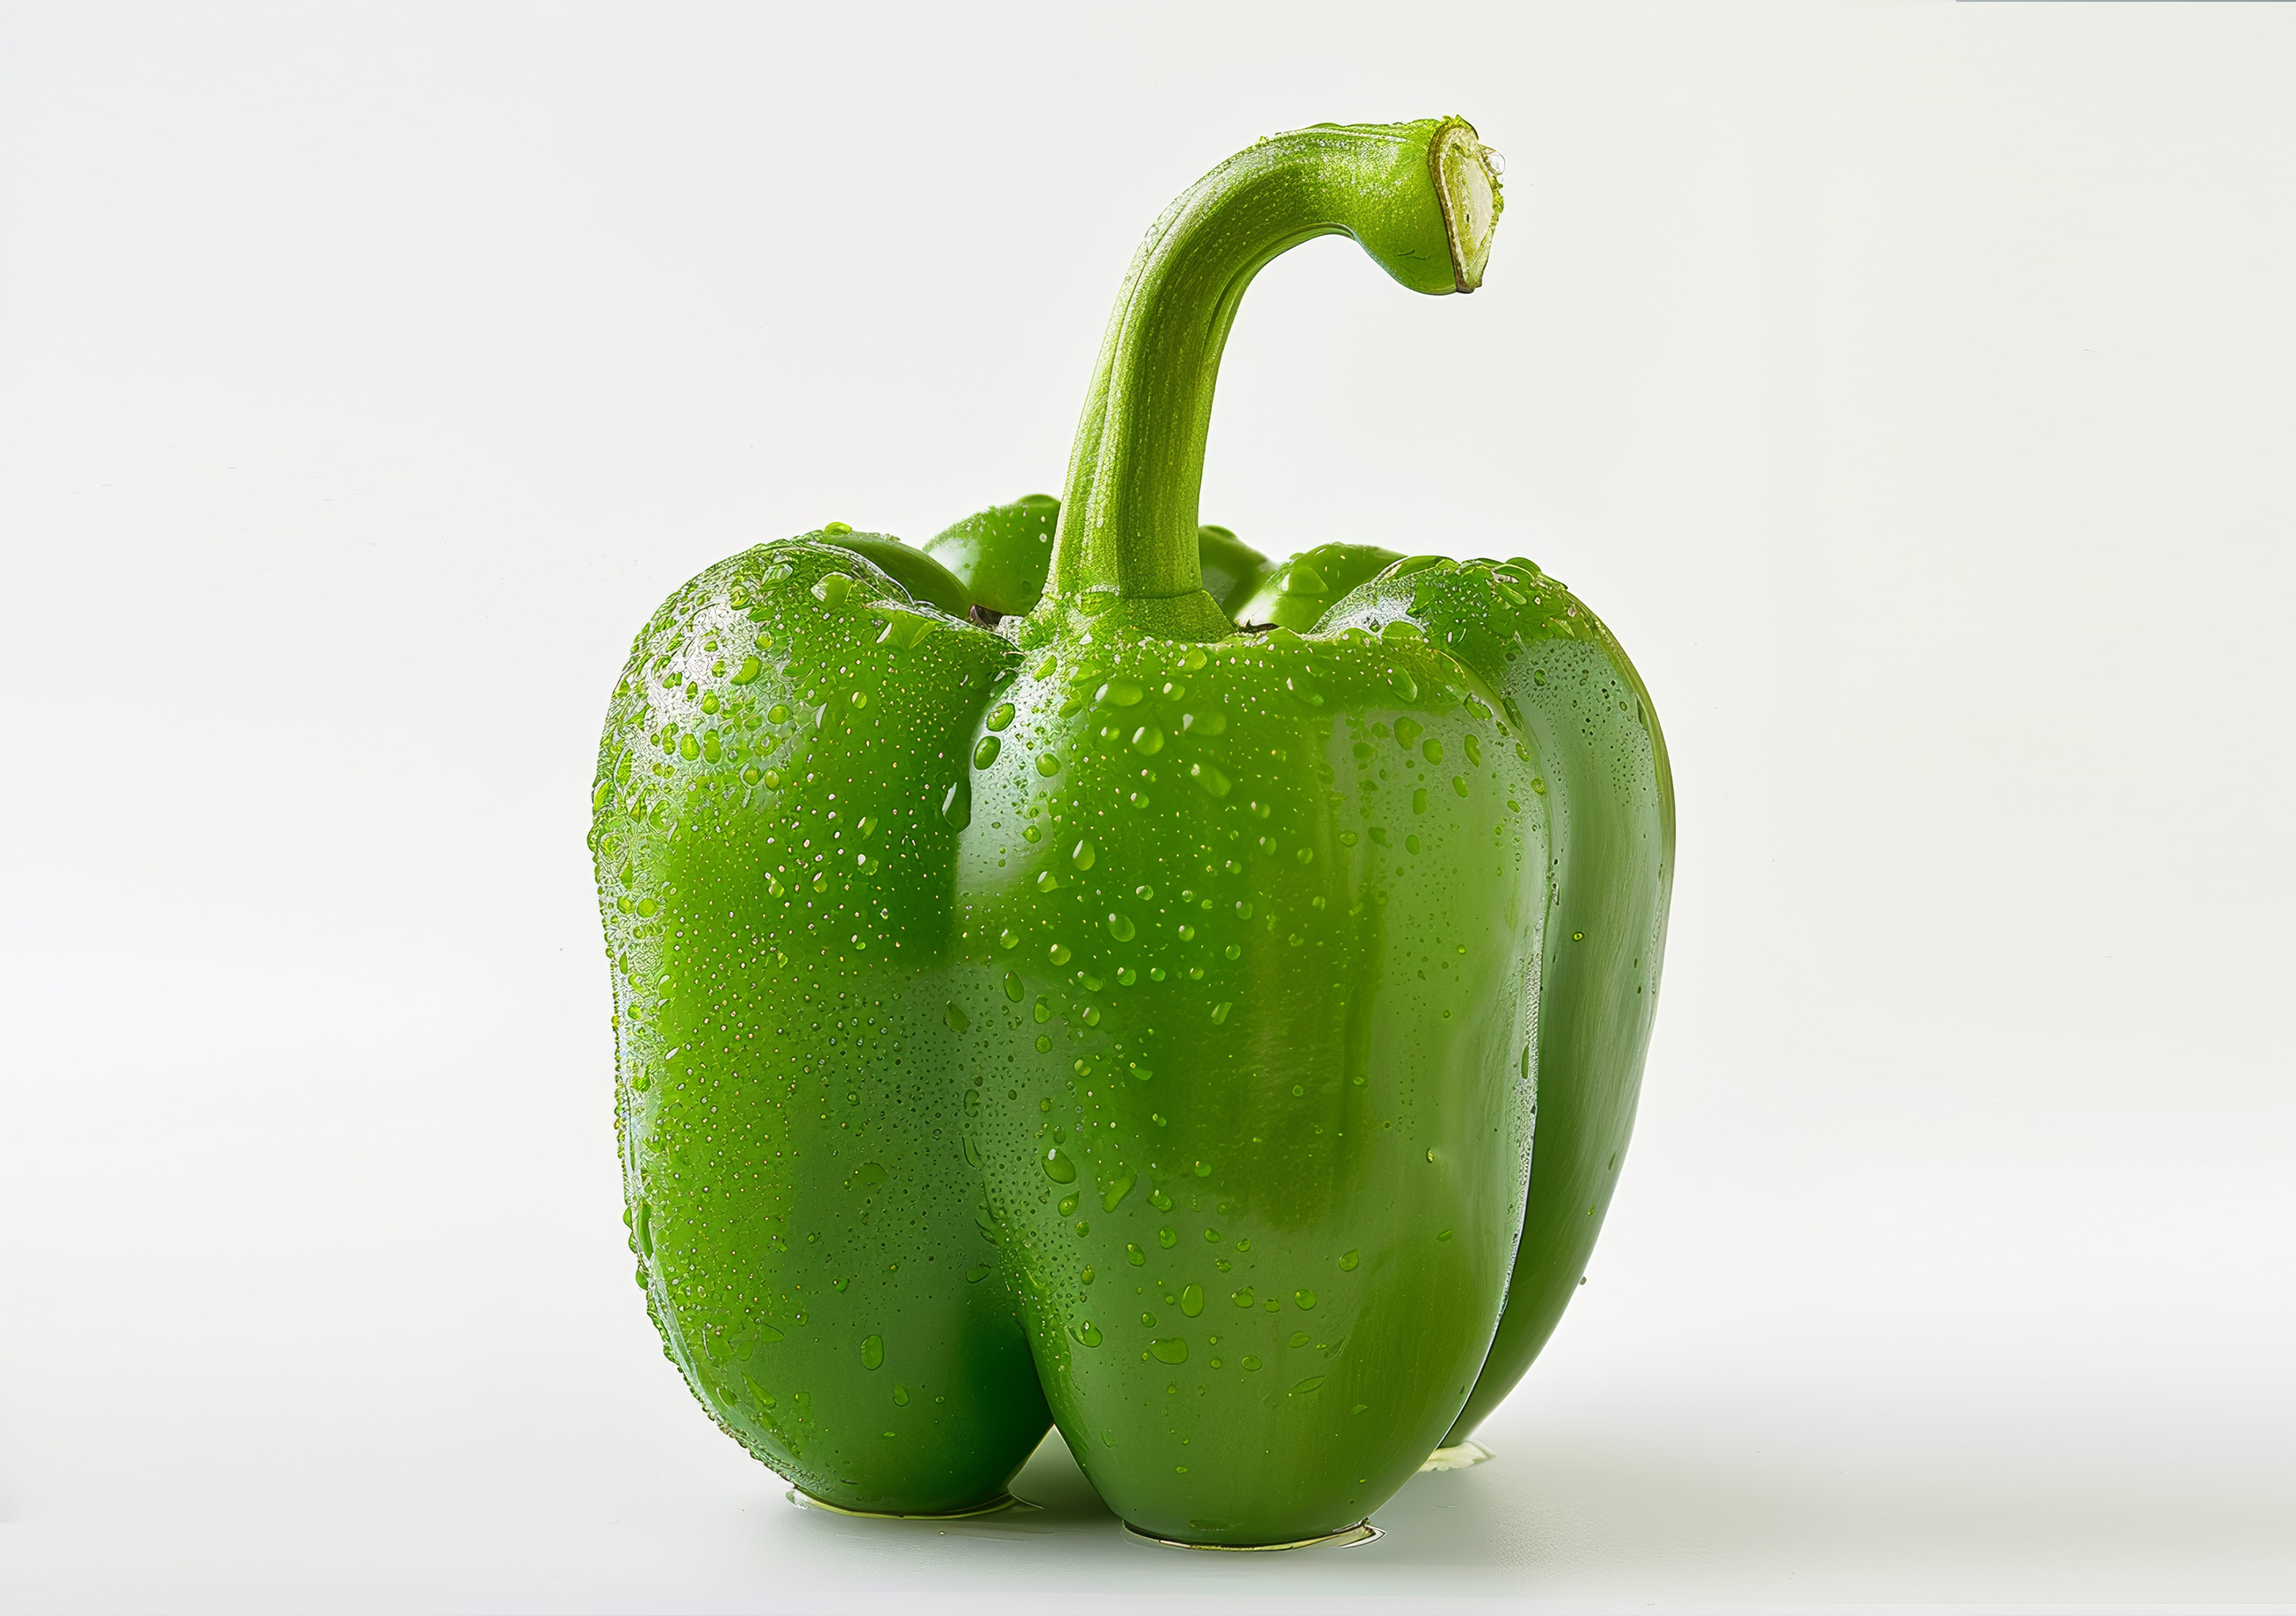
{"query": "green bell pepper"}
(1105, 1015)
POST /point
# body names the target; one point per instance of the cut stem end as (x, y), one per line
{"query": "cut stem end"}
(1466, 178)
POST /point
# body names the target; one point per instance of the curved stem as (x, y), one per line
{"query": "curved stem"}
(1420, 198)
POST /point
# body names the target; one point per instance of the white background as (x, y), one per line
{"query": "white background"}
(1912, 388)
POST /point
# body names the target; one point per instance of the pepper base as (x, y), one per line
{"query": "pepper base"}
(995, 1506)
(1346, 1536)
(1459, 1456)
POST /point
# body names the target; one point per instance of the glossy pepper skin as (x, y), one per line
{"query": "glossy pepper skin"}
(1297, 594)
(1001, 553)
(1248, 926)
(774, 844)
(1564, 679)
(963, 976)
(919, 575)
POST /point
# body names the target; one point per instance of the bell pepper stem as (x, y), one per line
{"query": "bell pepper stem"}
(1420, 198)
